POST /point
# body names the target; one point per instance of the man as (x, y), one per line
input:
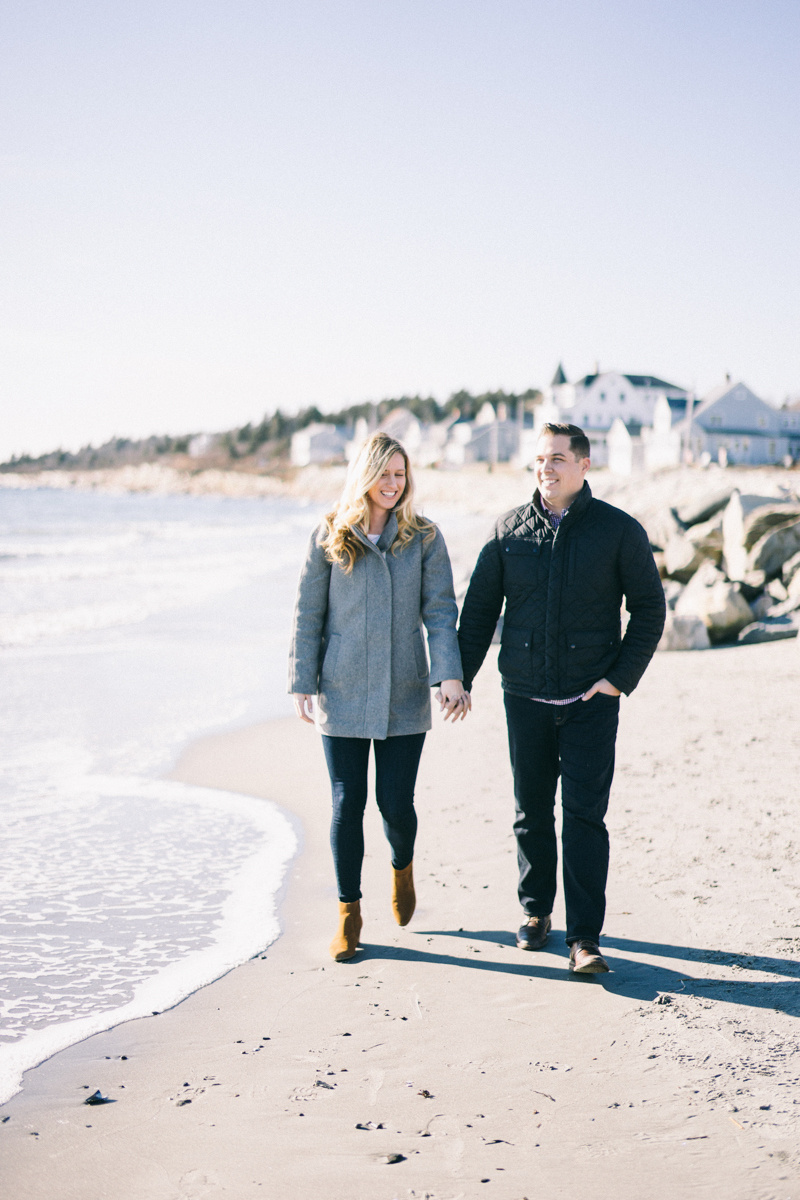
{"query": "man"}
(563, 563)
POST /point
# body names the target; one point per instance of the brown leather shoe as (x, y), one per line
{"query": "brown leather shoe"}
(585, 958)
(404, 898)
(533, 934)
(345, 943)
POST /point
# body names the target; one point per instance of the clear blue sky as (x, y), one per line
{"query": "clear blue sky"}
(211, 208)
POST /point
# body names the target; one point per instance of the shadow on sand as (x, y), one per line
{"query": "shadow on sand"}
(629, 976)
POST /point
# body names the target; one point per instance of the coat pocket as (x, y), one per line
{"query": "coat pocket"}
(328, 672)
(420, 656)
(590, 652)
(514, 659)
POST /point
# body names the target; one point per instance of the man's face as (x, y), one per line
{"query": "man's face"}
(559, 473)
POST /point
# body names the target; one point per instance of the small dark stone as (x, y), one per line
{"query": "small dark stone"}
(392, 1158)
(124, 1057)
(97, 1098)
(181, 1103)
(155, 1014)
(424, 1092)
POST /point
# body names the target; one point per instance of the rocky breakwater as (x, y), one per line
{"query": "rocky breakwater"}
(731, 568)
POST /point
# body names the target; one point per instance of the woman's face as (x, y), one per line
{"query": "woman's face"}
(389, 488)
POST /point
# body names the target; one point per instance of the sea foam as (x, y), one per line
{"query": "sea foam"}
(133, 956)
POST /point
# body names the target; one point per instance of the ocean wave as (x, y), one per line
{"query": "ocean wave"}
(136, 893)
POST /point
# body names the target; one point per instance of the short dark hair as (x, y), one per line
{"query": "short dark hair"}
(578, 442)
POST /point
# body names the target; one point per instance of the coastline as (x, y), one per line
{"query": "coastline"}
(537, 1080)
(470, 490)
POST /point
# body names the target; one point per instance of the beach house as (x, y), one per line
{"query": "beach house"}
(596, 401)
(492, 437)
(603, 397)
(732, 425)
(320, 442)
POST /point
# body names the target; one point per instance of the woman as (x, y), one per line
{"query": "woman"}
(375, 573)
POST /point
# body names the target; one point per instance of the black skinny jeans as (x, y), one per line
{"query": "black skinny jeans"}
(396, 765)
(575, 741)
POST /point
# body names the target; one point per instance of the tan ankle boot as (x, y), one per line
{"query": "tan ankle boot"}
(345, 944)
(404, 898)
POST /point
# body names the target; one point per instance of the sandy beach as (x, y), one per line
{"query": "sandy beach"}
(443, 1062)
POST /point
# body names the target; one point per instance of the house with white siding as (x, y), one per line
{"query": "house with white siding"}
(320, 442)
(733, 425)
(598, 400)
(491, 437)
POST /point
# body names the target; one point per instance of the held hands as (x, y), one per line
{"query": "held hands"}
(603, 686)
(454, 702)
(304, 707)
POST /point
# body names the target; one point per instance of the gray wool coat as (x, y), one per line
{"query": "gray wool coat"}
(357, 642)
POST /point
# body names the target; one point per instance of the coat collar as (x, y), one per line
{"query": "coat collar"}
(578, 506)
(386, 538)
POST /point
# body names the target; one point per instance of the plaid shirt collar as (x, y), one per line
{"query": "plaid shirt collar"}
(554, 519)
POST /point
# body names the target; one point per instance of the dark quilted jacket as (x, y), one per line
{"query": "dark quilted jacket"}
(563, 594)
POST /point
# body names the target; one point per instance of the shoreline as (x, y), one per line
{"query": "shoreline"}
(248, 911)
(470, 490)
(536, 1078)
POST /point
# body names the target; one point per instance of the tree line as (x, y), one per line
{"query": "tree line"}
(269, 438)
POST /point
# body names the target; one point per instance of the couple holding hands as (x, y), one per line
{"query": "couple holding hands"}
(377, 571)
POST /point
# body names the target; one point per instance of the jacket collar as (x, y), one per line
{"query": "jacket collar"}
(386, 538)
(578, 506)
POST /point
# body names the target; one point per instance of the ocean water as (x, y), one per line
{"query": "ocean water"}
(129, 626)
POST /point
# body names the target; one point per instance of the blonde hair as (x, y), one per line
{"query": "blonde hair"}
(340, 543)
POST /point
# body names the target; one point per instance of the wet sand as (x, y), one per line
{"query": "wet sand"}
(481, 1069)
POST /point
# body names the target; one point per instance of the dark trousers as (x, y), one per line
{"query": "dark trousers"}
(396, 765)
(575, 741)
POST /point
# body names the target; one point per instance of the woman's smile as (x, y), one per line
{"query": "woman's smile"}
(389, 488)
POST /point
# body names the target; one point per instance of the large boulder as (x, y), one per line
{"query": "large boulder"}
(681, 558)
(696, 511)
(748, 519)
(684, 633)
(772, 629)
(684, 552)
(672, 590)
(777, 590)
(791, 604)
(661, 524)
(707, 537)
(772, 550)
(719, 604)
